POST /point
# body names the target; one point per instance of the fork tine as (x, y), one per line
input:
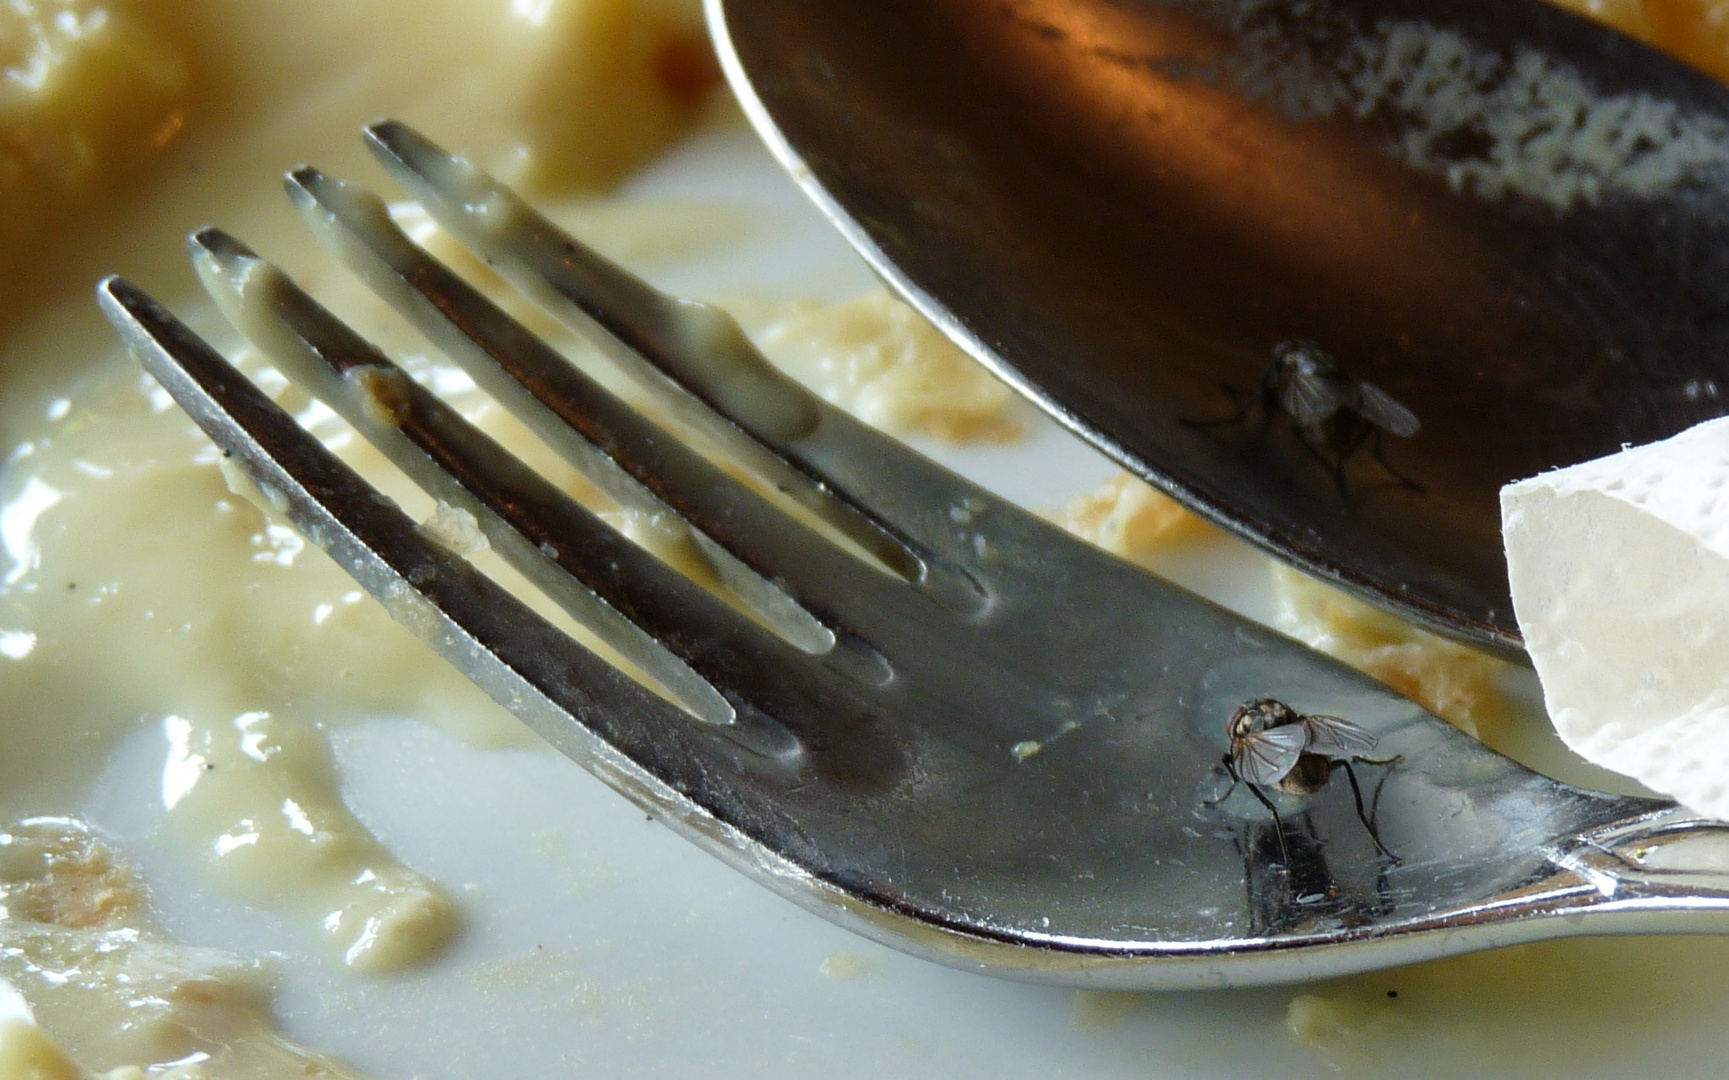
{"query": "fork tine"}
(640, 464)
(632, 599)
(698, 359)
(638, 323)
(554, 684)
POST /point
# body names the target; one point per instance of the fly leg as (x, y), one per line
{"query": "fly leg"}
(1316, 442)
(1234, 782)
(1278, 822)
(1357, 794)
(1375, 446)
(1380, 785)
(1339, 479)
(1262, 394)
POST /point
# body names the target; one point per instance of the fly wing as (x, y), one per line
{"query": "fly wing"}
(1266, 757)
(1334, 738)
(1379, 408)
(1312, 399)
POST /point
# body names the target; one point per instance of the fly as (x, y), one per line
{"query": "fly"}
(1275, 746)
(1335, 414)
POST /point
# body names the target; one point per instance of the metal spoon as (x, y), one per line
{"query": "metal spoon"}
(1510, 220)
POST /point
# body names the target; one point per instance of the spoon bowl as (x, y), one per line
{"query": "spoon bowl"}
(1509, 219)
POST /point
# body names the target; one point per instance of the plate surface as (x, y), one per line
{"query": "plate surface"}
(596, 943)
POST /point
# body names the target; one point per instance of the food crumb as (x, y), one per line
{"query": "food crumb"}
(1452, 681)
(844, 965)
(54, 871)
(1344, 1030)
(384, 393)
(1103, 1010)
(1026, 749)
(1128, 517)
(456, 529)
(880, 360)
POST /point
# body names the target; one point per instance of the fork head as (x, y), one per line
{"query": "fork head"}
(895, 698)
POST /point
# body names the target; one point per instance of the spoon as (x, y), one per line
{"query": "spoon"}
(1509, 220)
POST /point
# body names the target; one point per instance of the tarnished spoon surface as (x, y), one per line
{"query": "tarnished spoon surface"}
(1511, 220)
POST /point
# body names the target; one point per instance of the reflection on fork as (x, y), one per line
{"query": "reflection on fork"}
(1306, 894)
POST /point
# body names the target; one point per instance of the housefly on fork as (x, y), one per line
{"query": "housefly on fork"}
(1274, 746)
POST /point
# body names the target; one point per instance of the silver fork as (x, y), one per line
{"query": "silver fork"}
(859, 736)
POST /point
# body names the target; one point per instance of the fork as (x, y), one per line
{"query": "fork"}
(918, 710)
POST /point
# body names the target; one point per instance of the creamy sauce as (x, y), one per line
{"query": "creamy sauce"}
(236, 656)
(92, 92)
(220, 629)
(82, 959)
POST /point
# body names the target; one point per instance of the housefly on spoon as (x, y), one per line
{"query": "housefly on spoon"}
(1273, 745)
(1334, 413)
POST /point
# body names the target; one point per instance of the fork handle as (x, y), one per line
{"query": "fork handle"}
(1671, 859)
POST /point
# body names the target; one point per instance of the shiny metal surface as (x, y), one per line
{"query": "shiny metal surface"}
(1008, 759)
(1512, 220)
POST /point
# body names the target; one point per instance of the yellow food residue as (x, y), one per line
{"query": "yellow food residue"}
(110, 994)
(257, 794)
(1451, 680)
(1356, 1030)
(884, 362)
(1127, 517)
(613, 82)
(1696, 31)
(27, 1053)
(90, 94)
(87, 90)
